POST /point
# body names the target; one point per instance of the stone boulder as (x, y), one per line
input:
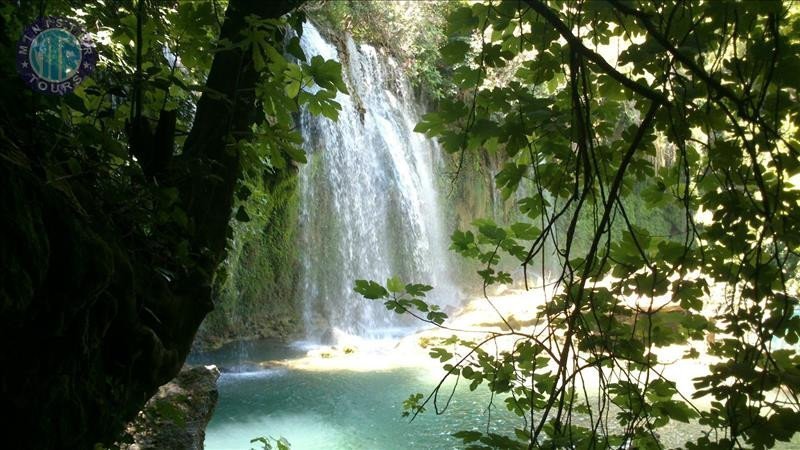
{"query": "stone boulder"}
(176, 416)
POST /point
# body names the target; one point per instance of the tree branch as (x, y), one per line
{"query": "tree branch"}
(589, 264)
(210, 151)
(577, 44)
(210, 161)
(714, 84)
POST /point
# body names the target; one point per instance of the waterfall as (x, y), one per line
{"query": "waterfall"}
(369, 204)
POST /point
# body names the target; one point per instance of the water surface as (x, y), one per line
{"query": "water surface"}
(331, 410)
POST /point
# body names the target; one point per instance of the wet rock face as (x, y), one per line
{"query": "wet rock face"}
(176, 416)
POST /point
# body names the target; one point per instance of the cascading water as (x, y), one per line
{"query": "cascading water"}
(369, 206)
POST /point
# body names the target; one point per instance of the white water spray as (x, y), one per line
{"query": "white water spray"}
(369, 203)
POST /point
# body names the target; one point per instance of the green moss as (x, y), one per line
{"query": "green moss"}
(466, 197)
(254, 297)
(472, 196)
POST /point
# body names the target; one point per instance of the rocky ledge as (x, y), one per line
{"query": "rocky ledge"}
(176, 416)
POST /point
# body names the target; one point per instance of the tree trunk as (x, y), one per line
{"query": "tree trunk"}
(88, 328)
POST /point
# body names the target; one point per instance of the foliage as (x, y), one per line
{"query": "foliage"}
(402, 298)
(599, 91)
(119, 195)
(416, 48)
(165, 73)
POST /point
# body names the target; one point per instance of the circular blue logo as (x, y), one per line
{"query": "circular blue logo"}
(54, 55)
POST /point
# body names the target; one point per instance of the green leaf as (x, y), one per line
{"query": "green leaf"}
(436, 317)
(419, 304)
(676, 410)
(417, 290)
(294, 49)
(413, 404)
(489, 229)
(525, 231)
(440, 353)
(461, 21)
(370, 289)
(292, 88)
(467, 372)
(327, 74)
(508, 179)
(394, 285)
(296, 153)
(454, 52)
